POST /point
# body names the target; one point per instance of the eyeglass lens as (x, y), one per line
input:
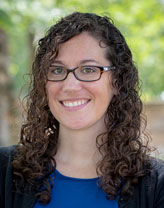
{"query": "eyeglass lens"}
(86, 73)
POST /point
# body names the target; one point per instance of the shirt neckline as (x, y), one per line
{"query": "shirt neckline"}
(75, 179)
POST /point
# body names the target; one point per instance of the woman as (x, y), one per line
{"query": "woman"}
(82, 142)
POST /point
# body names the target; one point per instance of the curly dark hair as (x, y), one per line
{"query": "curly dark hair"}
(124, 152)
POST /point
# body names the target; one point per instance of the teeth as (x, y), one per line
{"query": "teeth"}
(75, 103)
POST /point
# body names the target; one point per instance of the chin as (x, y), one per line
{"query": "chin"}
(76, 125)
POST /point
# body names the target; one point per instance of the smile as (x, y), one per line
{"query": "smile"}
(74, 103)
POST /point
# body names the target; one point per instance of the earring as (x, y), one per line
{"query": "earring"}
(49, 131)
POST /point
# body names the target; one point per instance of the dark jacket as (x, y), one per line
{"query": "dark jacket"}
(149, 193)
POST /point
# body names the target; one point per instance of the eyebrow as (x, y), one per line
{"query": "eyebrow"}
(81, 62)
(88, 60)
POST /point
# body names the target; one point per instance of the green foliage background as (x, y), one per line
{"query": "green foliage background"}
(141, 22)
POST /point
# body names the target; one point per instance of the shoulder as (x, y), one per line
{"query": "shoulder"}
(156, 168)
(155, 177)
(152, 184)
(6, 155)
(155, 162)
(149, 192)
(6, 151)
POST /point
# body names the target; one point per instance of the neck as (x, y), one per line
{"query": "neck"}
(78, 147)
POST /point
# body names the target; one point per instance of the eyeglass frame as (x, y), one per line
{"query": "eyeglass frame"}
(102, 70)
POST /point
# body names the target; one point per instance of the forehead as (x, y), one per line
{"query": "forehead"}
(82, 46)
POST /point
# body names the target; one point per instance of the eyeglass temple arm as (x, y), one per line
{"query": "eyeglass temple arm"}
(107, 68)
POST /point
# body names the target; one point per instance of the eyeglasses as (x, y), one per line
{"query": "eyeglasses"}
(82, 73)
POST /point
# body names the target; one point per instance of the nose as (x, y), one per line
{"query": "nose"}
(71, 83)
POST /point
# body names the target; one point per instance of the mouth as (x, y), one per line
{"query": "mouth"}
(75, 104)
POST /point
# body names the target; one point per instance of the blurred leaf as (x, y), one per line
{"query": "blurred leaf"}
(5, 19)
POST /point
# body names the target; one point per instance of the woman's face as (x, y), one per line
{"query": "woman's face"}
(76, 104)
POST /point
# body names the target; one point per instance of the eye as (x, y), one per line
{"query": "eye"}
(88, 69)
(57, 70)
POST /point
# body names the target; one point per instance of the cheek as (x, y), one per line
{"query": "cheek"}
(52, 89)
(103, 89)
(106, 92)
(52, 92)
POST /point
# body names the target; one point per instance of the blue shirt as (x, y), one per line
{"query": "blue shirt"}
(69, 192)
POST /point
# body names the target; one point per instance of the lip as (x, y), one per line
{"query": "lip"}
(74, 108)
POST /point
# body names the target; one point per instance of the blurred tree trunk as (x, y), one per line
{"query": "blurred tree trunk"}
(6, 99)
(31, 36)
